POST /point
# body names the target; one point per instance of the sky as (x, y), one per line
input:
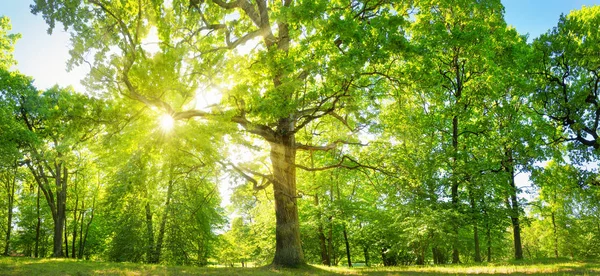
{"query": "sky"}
(44, 57)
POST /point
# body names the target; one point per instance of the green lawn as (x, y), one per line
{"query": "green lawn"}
(31, 267)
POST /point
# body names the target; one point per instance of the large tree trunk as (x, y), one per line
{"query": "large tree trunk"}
(57, 239)
(455, 181)
(517, 238)
(288, 248)
(60, 216)
(514, 208)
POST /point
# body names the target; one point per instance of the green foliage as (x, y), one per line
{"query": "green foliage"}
(566, 212)
(7, 43)
(567, 76)
(396, 130)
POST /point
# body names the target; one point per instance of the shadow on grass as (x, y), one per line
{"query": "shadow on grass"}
(31, 267)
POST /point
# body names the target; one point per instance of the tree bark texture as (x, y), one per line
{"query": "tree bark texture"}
(10, 192)
(347, 247)
(38, 224)
(288, 247)
(474, 212)
(514, 208)
(322, 241)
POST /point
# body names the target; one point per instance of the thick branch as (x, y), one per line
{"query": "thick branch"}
(328, 147)
(266, 179)
(353, 166)
(227, 5)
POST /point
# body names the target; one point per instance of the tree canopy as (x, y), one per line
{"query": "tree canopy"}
(379, 132)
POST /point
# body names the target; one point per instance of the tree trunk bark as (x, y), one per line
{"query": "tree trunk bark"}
(163, 223)
(38, 224)
(455, 182)
(517, 238)
(420, 252)
(80, 249)
(477, 248)
(488, 231)
(489, 243)
(59, 222)
(514, 207)
(454, 192)
(330, 250)
(149, 233)
(347, 246)
(87, 230)
(11, 199)
(75, 219)
(66, 240)
(322, 243)
(288, 247)
(57, 204)
(87, 227)
(475, 228)
(60, 216)
(438, 257)
(555, 235)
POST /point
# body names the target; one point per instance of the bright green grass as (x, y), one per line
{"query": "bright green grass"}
(31, 267)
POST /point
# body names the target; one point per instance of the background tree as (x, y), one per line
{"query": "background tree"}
(7, 43)
(567, 77)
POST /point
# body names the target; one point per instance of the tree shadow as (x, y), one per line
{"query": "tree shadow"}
(31, 266)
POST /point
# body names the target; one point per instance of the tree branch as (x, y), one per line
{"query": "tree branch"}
(353, 166)
(266, 179)
(328, 147)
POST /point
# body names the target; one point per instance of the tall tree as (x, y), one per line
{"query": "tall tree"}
(55, 123)
(456, 42)
(567, 71)
(308, 63)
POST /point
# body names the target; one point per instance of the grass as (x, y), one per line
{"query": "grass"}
(30, 267)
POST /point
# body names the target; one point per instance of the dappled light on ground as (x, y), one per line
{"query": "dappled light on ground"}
(30, 266)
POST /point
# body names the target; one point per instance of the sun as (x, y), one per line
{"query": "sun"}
(166, 122)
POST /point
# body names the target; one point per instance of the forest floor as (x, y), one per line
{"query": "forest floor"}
(31, 267)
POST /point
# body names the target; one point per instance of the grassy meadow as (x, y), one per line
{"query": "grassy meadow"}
(30, 266)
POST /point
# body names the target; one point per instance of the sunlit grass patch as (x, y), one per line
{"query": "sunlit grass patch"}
(31, 266)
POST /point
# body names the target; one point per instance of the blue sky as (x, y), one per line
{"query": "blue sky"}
(38, 54)
(44, 57)
(537, 16)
